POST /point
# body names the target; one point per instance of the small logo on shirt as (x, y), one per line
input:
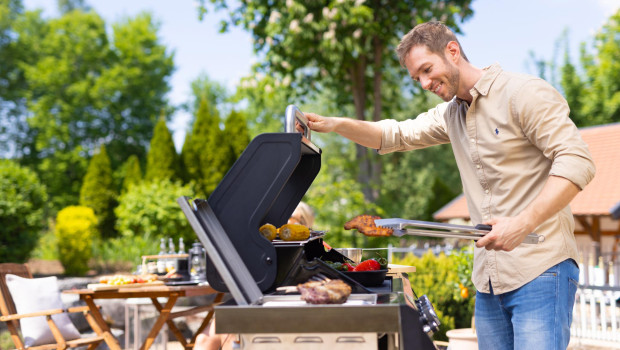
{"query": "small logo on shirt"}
(496, 131)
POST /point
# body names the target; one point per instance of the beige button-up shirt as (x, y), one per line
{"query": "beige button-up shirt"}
(515, 133)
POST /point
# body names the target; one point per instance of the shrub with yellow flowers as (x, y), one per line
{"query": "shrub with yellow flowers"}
(445, 279)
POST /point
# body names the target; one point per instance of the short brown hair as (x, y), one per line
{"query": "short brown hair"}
(434, 35)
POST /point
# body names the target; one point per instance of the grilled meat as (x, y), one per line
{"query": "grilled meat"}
(366, 225)
(324, 292)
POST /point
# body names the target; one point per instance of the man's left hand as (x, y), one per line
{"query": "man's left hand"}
(507, 234)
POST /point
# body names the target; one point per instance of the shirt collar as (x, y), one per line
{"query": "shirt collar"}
(489, 74)
(483, 85)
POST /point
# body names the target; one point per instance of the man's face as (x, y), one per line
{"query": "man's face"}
(435, 73)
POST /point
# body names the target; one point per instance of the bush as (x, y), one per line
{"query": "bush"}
(150, 210)
(122, 253)
(76, 228)
(440, 278)
(22, 211)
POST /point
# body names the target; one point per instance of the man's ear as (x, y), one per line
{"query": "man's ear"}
(453, 51)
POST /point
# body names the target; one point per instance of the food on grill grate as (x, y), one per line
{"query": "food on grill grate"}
(324, 292)
(294, 232)
(366, 225)
(268, 231)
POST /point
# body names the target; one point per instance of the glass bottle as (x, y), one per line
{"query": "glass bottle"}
(161, 262)
(171, 263)
(181, 246)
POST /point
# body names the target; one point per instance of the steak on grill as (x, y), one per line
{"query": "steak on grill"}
(324, 292)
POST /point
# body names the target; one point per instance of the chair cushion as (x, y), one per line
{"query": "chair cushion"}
(39, 294)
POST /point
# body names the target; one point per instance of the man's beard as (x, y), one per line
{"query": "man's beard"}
(452, 85)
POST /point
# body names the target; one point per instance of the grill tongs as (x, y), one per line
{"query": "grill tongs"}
(433, 229)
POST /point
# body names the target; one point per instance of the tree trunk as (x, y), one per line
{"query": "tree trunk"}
(377, 109)
(364, 175)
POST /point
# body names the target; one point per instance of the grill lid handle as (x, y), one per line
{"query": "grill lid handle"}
(292, 116)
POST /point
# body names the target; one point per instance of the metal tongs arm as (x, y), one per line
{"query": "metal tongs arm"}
(433, 229)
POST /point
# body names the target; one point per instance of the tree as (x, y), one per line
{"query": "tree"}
(203, 88)
(84, 89)
(162, 162)
(205, 154)
(98, 192)
(236, 128)
(133, 173)
(22, 211)
(65, 6)
(345, 47)
(13, 125)
(601, 94)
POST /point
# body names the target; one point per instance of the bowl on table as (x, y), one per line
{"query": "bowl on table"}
(354, 254)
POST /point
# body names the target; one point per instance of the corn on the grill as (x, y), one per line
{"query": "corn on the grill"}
(268, 231)
(294, 232)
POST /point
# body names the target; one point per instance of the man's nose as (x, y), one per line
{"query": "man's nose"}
(426, 83)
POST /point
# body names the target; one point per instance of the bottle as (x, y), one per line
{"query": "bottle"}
(171, 263)
(161, 262)
(181, 246)
(183, 263)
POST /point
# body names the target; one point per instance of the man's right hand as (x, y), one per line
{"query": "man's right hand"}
(365, 133)
(319, 123)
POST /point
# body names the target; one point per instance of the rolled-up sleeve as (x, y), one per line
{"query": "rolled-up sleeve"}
(427, 129)
(545, 120)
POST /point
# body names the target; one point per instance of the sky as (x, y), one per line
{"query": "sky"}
(502, 31)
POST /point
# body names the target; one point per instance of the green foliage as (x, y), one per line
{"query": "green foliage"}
(344, 47)
(593, 88)
(150, 210)
(47, 248)
(76, 229)
(81, 84)
(203, 88)
(162, 162)
(122, 253)
(236, 128)
(440, 278)
(62, 173)
(5, 340)
(22, 211)
(98, 192)
(132, 173)
(205, 152)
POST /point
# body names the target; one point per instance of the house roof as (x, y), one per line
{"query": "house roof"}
(598, 198)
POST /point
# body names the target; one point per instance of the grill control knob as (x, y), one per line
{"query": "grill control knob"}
(428, 317)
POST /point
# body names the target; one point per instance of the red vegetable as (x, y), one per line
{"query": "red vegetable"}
(368, 265)
(349, 267)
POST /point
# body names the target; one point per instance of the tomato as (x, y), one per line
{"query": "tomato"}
(349, 267)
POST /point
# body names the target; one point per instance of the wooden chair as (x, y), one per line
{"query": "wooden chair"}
(9, 315)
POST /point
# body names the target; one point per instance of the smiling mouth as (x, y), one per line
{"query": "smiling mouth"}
(437, 88)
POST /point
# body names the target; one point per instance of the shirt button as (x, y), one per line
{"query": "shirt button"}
(486, 191)
(486, 217)
(478, 166)
(472, 140)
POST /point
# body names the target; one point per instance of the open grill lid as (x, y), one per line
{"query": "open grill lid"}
(264, 185)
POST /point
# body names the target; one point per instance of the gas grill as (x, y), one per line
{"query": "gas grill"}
(265, 185)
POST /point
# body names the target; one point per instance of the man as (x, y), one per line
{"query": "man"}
(521, 161)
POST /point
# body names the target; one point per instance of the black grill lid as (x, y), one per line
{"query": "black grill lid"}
(264, 185)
